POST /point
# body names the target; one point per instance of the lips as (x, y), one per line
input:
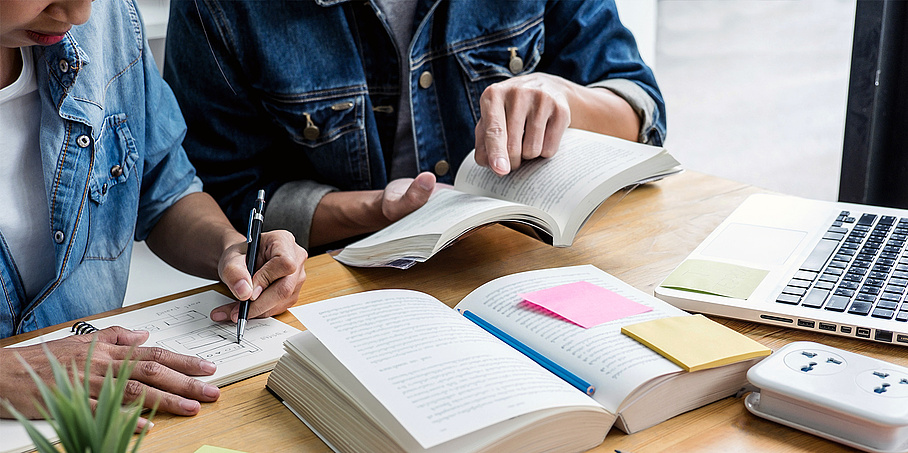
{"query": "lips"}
(45, 39)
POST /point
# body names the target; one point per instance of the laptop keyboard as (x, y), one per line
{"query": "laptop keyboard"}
(860, 267)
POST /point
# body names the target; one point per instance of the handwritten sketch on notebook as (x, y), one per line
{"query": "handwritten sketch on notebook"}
(183, 326)
(213, 342)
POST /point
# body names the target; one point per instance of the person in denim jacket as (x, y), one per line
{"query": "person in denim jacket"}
(90, 141)
(335, 106)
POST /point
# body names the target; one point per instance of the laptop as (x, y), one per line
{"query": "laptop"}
(830, 267)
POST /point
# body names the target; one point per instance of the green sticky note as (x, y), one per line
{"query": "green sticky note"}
(211, 449)
(713, 277)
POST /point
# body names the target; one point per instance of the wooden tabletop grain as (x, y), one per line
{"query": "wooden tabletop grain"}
(639, 239)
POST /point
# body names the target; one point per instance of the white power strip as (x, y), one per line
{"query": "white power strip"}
(839, 395)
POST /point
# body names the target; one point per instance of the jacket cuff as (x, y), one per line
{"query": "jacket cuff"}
(642, 103)
(292, 207)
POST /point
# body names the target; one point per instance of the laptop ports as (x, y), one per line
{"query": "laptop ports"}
(862, 332)
(883, 335)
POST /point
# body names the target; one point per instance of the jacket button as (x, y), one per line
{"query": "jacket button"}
(116, 171)
(311, 132)
(442, 167)
(425, 79)
(64, 66)
(515, 64)
(83, 141)
(59, 237)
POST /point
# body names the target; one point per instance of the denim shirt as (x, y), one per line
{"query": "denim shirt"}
(284, 91)
(112, 159)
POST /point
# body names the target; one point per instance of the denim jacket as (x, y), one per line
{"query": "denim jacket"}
(289, 90)
(110, 141)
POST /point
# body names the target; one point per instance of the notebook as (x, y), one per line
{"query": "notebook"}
(831, 267)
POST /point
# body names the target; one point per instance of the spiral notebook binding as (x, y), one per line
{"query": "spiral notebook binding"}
(82, 327)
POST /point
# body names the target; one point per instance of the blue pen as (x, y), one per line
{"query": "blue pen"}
(571, 378)
(253, 236)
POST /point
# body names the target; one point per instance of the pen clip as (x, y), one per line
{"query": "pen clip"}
(249, 226)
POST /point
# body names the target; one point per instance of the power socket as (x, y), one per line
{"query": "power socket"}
(839, 395)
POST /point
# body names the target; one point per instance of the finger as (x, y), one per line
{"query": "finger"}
(119, 336)
(163, 400)
(280, 256)
(140, 423)
(558, 122)
(481, 156)
(280, 295)
(516, 110)
(415, 196)
(420, 189)
(172, 387)
(535, 128)
(233, 272)
(184, 364)
(223, 313)
(495, 133)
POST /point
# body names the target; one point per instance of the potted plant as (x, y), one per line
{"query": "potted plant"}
(67, 407)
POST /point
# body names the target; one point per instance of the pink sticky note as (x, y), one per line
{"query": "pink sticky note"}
(585, 304)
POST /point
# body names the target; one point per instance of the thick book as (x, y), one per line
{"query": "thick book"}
(398, 370)
(555, 196)
(183, 326)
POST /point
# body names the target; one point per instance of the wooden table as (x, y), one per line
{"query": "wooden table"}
(639, 240)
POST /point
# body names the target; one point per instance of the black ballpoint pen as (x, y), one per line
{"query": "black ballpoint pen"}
(253, 236)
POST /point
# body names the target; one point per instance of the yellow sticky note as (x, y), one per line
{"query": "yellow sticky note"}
(211, 449)
(695, 342)
(713, 277)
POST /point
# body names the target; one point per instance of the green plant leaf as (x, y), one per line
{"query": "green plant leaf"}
(41, 443)
(68, 409)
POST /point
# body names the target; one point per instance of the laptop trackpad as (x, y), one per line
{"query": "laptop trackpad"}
(759, 246)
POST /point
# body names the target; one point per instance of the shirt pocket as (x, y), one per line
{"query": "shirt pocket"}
(113, 190)
(328, 127)
(497, 60)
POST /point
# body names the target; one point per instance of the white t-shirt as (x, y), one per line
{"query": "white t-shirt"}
(24, 215)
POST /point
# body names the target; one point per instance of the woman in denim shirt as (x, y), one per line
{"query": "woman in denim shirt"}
(306, 98)
(90, 145)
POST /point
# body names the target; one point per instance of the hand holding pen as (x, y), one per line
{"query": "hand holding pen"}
(265, 270)
(253, 239)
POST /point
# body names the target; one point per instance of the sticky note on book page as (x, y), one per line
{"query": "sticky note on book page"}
(584, 303)
(695, 342)
(713, 277)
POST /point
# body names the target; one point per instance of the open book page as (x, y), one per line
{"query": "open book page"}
(587, 169)
(345, 405)
(446, 211)
(183, 326)
(440, 375)
(611, 361)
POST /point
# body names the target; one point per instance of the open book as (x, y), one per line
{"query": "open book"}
(398, 370)
(183, 326)
(555, 196)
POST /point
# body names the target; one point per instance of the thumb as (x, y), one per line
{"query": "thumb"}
(422, 187)
(418, 193)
